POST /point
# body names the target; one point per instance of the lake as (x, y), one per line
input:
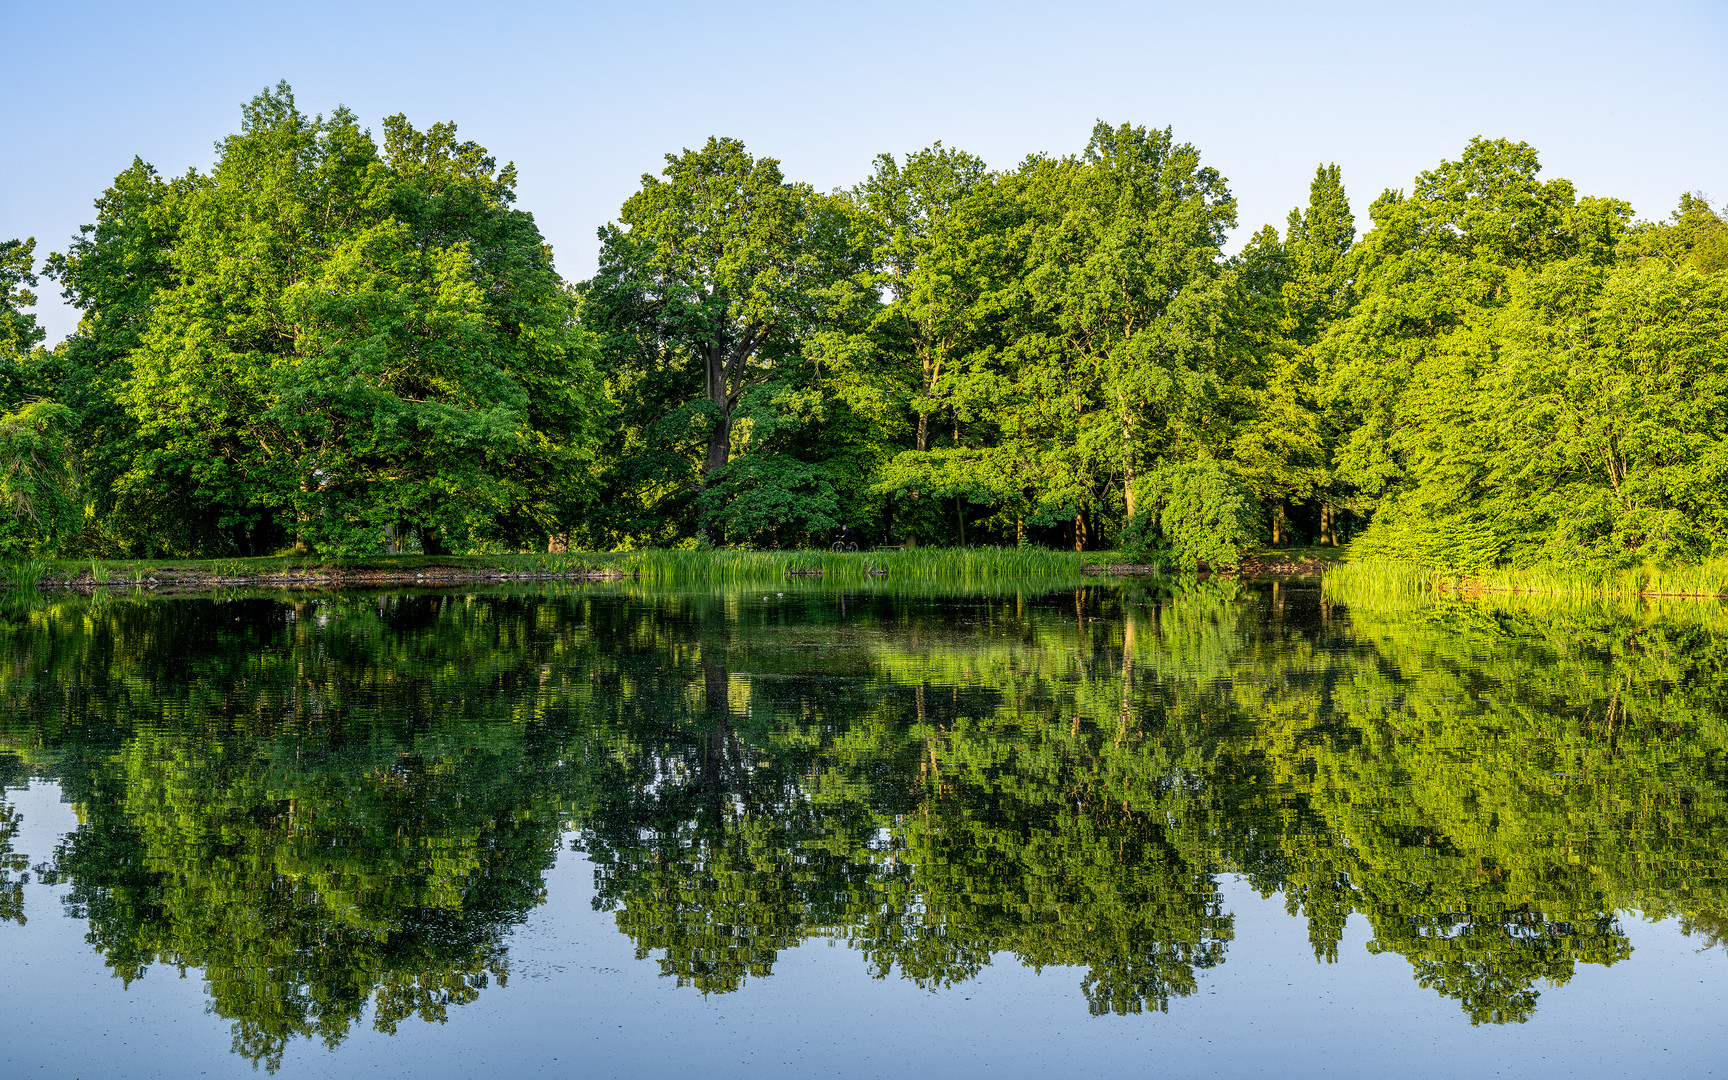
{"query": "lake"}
(1181, 827)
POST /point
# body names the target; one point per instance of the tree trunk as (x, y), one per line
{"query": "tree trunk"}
(1128, 464)
(431, 543)
(719, 392)
(301, 545)
(719, 444)
(931, 369)
(716, 685)
(1080, 531)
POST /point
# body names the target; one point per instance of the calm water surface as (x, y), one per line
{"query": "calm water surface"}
(1184, 829)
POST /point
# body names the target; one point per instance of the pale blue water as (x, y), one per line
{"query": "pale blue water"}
(834, 722)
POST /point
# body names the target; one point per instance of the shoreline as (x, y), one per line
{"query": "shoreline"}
(332, 578)
(181, 579)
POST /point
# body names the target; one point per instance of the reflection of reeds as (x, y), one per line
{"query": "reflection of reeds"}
(1376, 581)
(1643, 594)
(928, 566)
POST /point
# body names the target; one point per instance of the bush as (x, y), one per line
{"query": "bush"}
(1196, 513)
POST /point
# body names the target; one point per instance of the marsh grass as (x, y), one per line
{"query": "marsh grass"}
(24, 575)
(139, 570)
(922, 566)
(1381, 581)
(1709, 578)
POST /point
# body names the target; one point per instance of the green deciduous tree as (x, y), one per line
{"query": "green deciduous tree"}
(38, 475)
(332, 338)
(18, 330)
(1084, 297)
(113, 272)
(1288, 291)
(710, 281)
(1695, 236)
(1411, 374)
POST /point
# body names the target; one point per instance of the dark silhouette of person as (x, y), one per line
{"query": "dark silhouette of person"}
(847, 536)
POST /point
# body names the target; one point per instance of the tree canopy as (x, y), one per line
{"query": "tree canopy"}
(341, 343)
(325, 339)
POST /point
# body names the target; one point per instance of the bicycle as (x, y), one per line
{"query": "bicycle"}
(843, 546)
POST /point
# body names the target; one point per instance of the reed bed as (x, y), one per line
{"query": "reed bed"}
(102, 571)
(1707, 579)
(1380, 581)
(925, 566)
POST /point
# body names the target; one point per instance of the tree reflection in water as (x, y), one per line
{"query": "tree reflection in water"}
(347, 802)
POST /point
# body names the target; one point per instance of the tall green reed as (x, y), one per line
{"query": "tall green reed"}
(922, 565)
(23, 575)
(1385, 580)
(1379, 583)
(1709, 578)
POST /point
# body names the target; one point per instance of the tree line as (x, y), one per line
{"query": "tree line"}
(345, 345)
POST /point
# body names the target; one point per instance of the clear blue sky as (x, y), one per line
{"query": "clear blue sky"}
(1626, 99)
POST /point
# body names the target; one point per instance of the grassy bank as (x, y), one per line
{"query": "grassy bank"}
(51, 573)
(1704, 579)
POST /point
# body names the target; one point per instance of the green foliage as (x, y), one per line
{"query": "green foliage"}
(18, 330)
(340, 343)
(707, 284)
(1196, 514)
(769, 497)
(1592, 438)
(329, 338)
(1695, 236)
(1526, 380)
(37, 484)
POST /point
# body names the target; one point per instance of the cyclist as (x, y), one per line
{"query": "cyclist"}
(847, 540)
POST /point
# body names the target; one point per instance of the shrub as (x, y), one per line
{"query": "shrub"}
(1203, 515)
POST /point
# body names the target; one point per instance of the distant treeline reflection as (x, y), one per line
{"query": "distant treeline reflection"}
(353, 800)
